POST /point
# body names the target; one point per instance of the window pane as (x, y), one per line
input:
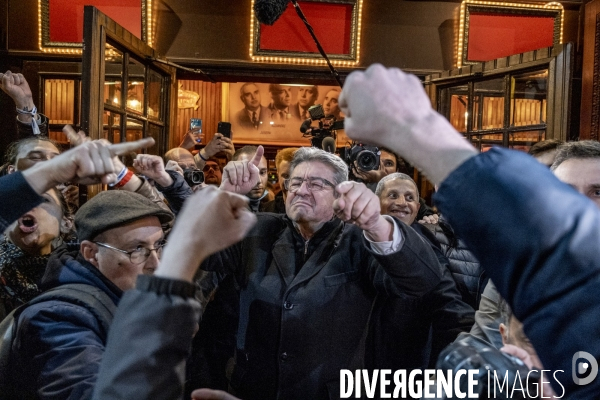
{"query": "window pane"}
(528, 98)
(524, 140)
(113, 76)
(155, 94)
(488, 104)
(156, 132)
(59, 100)
(135, 130)
(485, 142)
(135, 86)
(454, 102)
(111, 127)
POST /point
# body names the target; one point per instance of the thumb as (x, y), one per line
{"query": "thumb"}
(257, 156)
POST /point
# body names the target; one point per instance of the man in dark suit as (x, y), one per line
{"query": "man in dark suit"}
(280, 108)
(307, 96)
(253, 115)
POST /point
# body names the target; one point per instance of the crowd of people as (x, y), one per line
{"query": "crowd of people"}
(225, 290)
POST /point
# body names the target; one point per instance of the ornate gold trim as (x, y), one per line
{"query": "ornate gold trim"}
(48, 46)
(289, 57)
(552, 9)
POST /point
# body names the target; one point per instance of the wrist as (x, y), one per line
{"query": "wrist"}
(381, 231)
(26, 104)
(164, 180)
(204, 156)
(39, 177)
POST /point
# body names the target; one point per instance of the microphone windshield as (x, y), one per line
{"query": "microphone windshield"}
(305, 126)
(269, 11)
(329, 144)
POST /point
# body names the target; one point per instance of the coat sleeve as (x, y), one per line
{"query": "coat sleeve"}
(177, 192)
(60, 348)
(26, 130)
(16, 197)
(538, 240)
(149, 341)
(413, 270)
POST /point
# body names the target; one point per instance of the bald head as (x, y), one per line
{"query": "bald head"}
(181, 156)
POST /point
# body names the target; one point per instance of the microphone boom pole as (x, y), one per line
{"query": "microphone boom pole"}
(312, 33)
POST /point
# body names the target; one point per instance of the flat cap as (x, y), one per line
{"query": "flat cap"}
(115, 208)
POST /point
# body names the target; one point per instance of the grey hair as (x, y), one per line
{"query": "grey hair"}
(583, 149)
(246, 85)
(395, 175)
(306, 154)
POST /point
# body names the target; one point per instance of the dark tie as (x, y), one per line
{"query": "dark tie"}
(281, 115)
(254, 120)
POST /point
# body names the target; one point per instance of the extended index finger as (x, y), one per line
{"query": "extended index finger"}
(120, 149)
(258, 155)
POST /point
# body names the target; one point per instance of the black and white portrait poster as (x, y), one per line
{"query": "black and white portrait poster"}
(273, 113)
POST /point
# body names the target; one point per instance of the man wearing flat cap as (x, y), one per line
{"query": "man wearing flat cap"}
(59, 343)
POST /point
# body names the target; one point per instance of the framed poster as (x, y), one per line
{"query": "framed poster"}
(61, 21)
(336, 24)
(263, 113)
(491, 30)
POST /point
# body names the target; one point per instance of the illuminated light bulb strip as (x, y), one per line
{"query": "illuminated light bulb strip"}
(149, 22)
(299, 60)
(552, 5)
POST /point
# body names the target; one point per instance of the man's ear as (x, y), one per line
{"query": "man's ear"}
(504, 333)
(89, 251)
(11, 169)
(66, 225)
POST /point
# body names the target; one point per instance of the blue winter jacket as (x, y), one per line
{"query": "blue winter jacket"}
(538, 239)
(59, 345)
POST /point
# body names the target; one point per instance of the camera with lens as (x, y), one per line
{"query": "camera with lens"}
(324, 135)
(363, 157)
(472, 353)
(193, 176)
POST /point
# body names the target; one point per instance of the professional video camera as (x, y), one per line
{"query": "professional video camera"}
(471, 353)
(324, 135)
(193, 176)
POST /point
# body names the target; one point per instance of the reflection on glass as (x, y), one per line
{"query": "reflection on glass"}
(135, 130)
(156, 132)
(111, 127)
(488, 104)
(59, 100)
(112, 93)
(454, 102)
(113, 65)
(524, 140)
(155, 91)
(528, 98)
(135, 86)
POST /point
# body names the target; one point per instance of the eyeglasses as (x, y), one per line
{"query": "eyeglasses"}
(208, 167)
(140, 254)
(312, 184)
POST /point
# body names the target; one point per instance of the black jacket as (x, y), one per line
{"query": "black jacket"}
(410, 333)
(304, 306)
(470, 278)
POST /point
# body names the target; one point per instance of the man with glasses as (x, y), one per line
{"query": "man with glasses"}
(308, 279)
(212, 173)
(59, 344)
